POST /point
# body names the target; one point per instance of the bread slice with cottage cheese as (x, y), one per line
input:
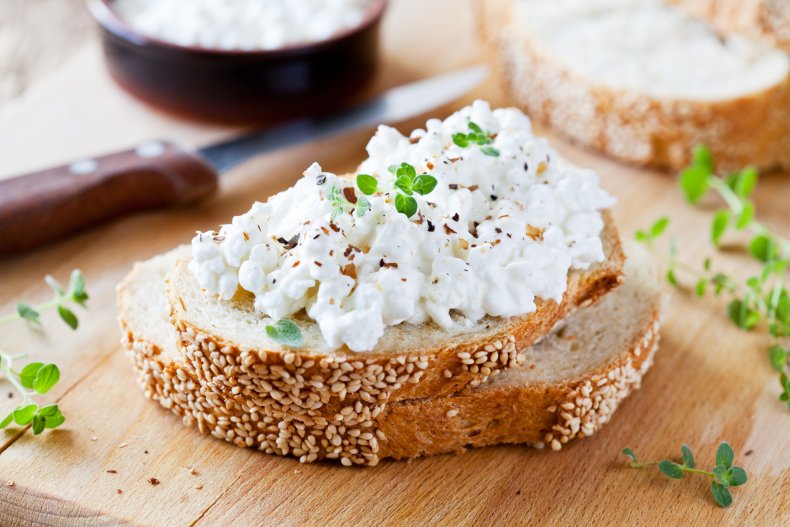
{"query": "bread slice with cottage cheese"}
(227, 345)
(768, 20)
(566, 386)
(643, 81)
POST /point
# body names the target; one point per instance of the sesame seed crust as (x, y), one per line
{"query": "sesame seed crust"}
(314, 384)
(750, 130)
(537, 414)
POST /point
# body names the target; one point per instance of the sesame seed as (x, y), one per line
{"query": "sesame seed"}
(452, 413)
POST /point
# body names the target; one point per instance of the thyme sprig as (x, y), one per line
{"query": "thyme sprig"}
(476, 136)
(723, 476)
(340, 204)
(37, 378)
(759, 299)
(406, 184)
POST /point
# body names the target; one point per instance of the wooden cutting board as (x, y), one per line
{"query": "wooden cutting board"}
(710, 381)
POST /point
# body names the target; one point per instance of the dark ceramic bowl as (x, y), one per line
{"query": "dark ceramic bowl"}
(240, 86)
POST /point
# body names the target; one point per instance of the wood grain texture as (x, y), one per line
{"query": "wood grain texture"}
(710, 381)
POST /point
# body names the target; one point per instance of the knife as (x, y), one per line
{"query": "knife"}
(51, 204)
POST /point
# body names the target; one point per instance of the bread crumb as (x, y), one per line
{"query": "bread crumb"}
(111, 471)
(94, 438)
(122, 445)
(193, 471)
(154, 481)
(10, 483)
(118, 491)
(199, 486)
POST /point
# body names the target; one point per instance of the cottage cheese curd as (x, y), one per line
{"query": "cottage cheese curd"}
(241, 24)
(496, 233)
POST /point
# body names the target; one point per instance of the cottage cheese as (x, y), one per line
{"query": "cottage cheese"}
(496, 233)
(241, 24)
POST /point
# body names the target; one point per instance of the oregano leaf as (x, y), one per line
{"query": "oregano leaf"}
(285, 332)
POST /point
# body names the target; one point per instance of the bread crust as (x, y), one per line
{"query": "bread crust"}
(313, 384)
(633, 127)
(538, 413)
(767, 20)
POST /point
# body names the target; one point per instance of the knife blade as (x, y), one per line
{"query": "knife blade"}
(51, 204)
(395, 105)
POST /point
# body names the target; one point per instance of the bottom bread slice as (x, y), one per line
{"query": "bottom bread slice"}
(566, 386)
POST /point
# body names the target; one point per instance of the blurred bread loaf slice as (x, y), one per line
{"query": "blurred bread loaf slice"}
(760, 19)
(642, 80)
(564, 387)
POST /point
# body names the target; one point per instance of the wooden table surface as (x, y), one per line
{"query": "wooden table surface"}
(710, 381)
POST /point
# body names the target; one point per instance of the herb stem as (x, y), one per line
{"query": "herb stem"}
(698, 471)
(736, 205)
(41, 307)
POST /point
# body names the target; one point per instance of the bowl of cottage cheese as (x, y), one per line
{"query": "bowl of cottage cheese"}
(240, 60)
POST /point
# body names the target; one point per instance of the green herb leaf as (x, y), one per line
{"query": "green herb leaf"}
(285, 332)
(53, 418)
(406, 170)
(699, 289)
(687, 456)
(404, 183)
(68, 316)
(743, 316)
(658, 228)
(27, 377)
(725, 455)
(763, 248)
(460, 140)
(406, 205)
(489, 151)
(746, 217)
(77, 288)
(722, 474)
(26, 312)
(719, 225)
(38, 424)
(630, 453)
(745, 181)
(670, 469)
(424, 184)
(738, 477)
(721, 495)
(46, 377)
(367, 184)
(703, 158)
(7, 421)
(24, 414)
(694, 183)
(362, 206)
(778, 357)
(474, 127)
(55, 285)
(671, 277)
(642, 236)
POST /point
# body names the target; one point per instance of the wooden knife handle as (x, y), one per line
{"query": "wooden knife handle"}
(43, 206)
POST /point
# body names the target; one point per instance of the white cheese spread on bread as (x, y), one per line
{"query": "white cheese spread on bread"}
(505, 223)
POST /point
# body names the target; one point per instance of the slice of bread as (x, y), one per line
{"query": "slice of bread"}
(227, 345)
(566, 386)
(641, 80)
(761, 19)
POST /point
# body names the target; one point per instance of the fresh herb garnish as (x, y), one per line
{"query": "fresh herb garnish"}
(476, 136)
(407, 182)
(760, 298)
(285, 332)
(723, 476)
(37, 378)
(340, 204)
